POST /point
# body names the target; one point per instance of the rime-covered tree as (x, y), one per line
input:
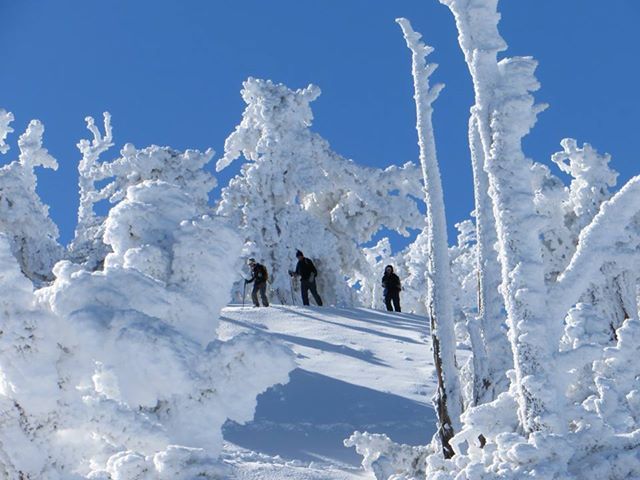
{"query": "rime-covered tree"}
(294, 192)
(118, 372)
(23, 217)
(107, 181)
(567, 256)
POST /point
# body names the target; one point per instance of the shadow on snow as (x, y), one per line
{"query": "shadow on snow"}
(364, 355)
(308, 419)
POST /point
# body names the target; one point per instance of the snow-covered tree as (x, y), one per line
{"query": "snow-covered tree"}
(567, 257)
(448, 401)
(294, 192)
(30, 392)
(118, 372)
(103, 181)
(23, 217)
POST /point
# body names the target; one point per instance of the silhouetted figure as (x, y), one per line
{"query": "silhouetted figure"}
(259, 278)
(392, 287)
(307, 272)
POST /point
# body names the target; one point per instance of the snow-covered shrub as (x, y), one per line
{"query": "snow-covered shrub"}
(23, 216)
(294, 192)
(388, 460)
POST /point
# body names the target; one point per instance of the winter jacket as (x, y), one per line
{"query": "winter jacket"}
(259, 274)
(391, 283)
(306, 269)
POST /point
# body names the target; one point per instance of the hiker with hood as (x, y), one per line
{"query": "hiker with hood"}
(392, 287)
(307, 272)
(259, 277)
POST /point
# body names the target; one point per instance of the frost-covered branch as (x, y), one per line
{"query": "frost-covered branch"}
(612, 237)
(5, 129)
(440, 305)
(493, 357)
(32, 153)
(88, 168)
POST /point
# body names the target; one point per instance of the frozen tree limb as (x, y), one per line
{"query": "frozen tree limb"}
(440, 306)
(5, 129)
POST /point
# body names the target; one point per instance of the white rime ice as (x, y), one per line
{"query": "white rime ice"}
(448, 400)
(557, 275)
(5, 129)
(504, 113)
(294, 192)
(116, 372)
(23, 217)
(134, 166)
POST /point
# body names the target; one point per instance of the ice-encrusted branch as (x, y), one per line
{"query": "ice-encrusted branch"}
(5, 129)
(440, 304)
(292, 111)
(88, 169)
(606, 239)
(32, 153)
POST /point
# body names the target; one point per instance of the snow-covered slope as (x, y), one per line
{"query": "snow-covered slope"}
(358, 369)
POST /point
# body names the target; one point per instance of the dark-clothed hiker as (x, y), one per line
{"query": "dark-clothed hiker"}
(392, 287)
(307, 272)
(259, 277)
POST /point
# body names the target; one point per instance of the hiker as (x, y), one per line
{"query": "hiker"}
(259, 277)
(392, 287)
(307, 272)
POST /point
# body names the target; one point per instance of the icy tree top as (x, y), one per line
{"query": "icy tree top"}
(32, 153)
(284, 110)
(477, 22)
(138, 165)
(591, 174)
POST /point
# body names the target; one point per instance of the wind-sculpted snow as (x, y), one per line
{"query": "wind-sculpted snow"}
(294, 192)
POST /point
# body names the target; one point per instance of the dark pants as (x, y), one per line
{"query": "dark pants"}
(392, 297)
(305, 286)
(262, 288)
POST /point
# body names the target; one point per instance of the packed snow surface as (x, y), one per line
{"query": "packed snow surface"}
(358, 369)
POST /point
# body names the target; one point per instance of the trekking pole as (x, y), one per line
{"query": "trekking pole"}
(244, 290)
(293, 302)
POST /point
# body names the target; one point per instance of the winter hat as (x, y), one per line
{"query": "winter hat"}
(251, 260)
(299, 253)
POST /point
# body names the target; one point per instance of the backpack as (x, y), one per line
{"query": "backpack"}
(263, 271)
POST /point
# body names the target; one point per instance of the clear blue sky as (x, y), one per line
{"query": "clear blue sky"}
(170, 73)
